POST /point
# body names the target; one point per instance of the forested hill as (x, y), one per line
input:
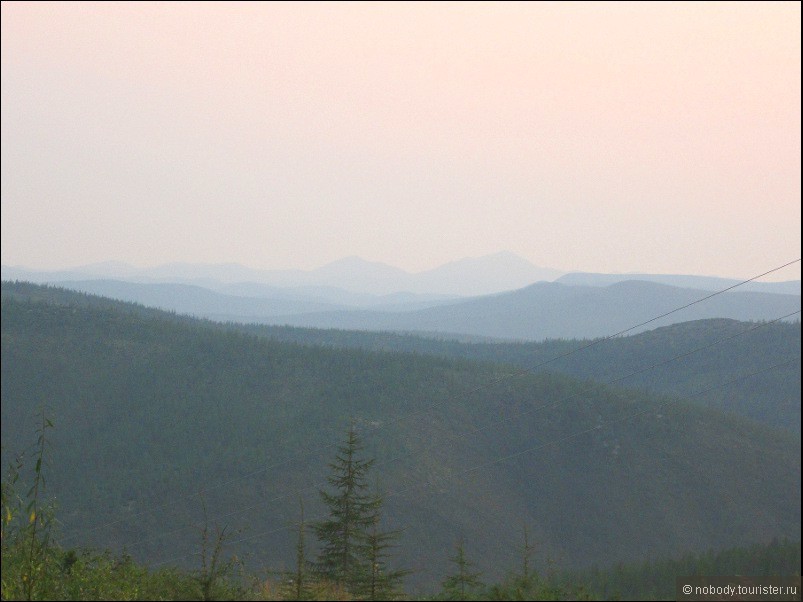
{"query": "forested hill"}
(149, 409)
(727, 348)
(55, 295)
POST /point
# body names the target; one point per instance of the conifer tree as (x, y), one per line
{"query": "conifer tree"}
(297, 583)
(464, 584)
(380, 583)
(352, 512)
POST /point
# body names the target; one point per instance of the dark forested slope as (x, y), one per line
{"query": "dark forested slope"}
(151, 410)
(718, 349)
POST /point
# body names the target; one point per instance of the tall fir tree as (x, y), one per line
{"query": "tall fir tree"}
(352, 513)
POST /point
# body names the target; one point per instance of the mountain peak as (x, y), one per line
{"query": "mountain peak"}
(355, 263)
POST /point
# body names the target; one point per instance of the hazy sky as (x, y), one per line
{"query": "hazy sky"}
(601, 137)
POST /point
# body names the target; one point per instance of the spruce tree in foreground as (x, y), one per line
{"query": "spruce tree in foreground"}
(465, 583)
(351, 512)
(353, 552)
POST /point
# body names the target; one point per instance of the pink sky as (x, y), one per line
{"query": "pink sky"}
(600, 137)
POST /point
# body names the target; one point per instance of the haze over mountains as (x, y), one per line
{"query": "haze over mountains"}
(500, 272)
(552, 310)
(510, 297)
(465, 277)
(712, 283)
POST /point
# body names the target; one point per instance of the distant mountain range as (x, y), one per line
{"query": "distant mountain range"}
(553, 310)
(465, 277)
(335, 296)
(708, 283)
(355, 282)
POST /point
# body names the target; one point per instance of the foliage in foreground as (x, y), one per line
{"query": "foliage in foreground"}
(352, 563)
(655, 579)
